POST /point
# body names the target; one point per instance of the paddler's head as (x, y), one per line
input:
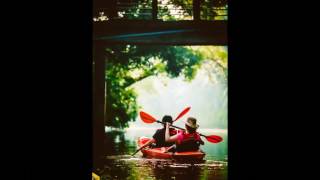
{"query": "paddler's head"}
(191, 124)
(168, 119)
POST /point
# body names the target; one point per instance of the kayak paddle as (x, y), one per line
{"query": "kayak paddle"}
(213, 138)
(147, 118)
(182, 113)
(136, 152)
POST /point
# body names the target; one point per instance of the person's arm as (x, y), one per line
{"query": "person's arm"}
(169, 138)
(200, 140)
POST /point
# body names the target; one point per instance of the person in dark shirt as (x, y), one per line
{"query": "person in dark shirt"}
(158, 139)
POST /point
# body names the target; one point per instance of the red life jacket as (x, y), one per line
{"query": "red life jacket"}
(188, 137)
(172, 131)
(188, 142)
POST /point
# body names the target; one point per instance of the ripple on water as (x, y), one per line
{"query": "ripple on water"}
(164, 162)
(126, 166)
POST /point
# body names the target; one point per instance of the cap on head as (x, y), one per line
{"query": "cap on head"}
(167, 118)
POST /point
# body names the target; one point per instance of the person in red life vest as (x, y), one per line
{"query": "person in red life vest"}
(188, 140)
(158, 139)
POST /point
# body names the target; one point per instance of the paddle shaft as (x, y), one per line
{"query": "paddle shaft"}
(170, 125)
(135, 152)
(180, 128)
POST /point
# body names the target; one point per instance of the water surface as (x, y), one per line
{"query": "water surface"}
(119, 165)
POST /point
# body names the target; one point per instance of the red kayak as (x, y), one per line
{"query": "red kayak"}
(160, 154)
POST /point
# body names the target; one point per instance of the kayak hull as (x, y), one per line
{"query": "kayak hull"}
(160, 154)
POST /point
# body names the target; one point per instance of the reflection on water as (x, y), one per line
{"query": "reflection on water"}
(125, 167)
(118, 164)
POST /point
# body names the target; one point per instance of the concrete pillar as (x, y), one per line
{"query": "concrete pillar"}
(196, 9)
(98, 102)
(154, 9)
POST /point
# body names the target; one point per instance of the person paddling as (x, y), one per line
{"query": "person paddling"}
(188, 140)
(158, 139)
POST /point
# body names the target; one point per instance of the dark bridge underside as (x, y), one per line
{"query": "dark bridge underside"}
(160, 32)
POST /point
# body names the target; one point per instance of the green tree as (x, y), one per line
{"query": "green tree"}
(127, 64)
(167, 10)
(209, 9)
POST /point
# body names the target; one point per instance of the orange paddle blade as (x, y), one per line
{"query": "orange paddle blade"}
(183, 113)
(147, 118)
(214, 138)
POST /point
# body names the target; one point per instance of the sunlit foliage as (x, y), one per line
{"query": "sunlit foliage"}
(127, 64)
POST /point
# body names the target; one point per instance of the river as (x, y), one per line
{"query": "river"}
(119, 165)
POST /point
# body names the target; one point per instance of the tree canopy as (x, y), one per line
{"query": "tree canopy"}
(127, 64)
